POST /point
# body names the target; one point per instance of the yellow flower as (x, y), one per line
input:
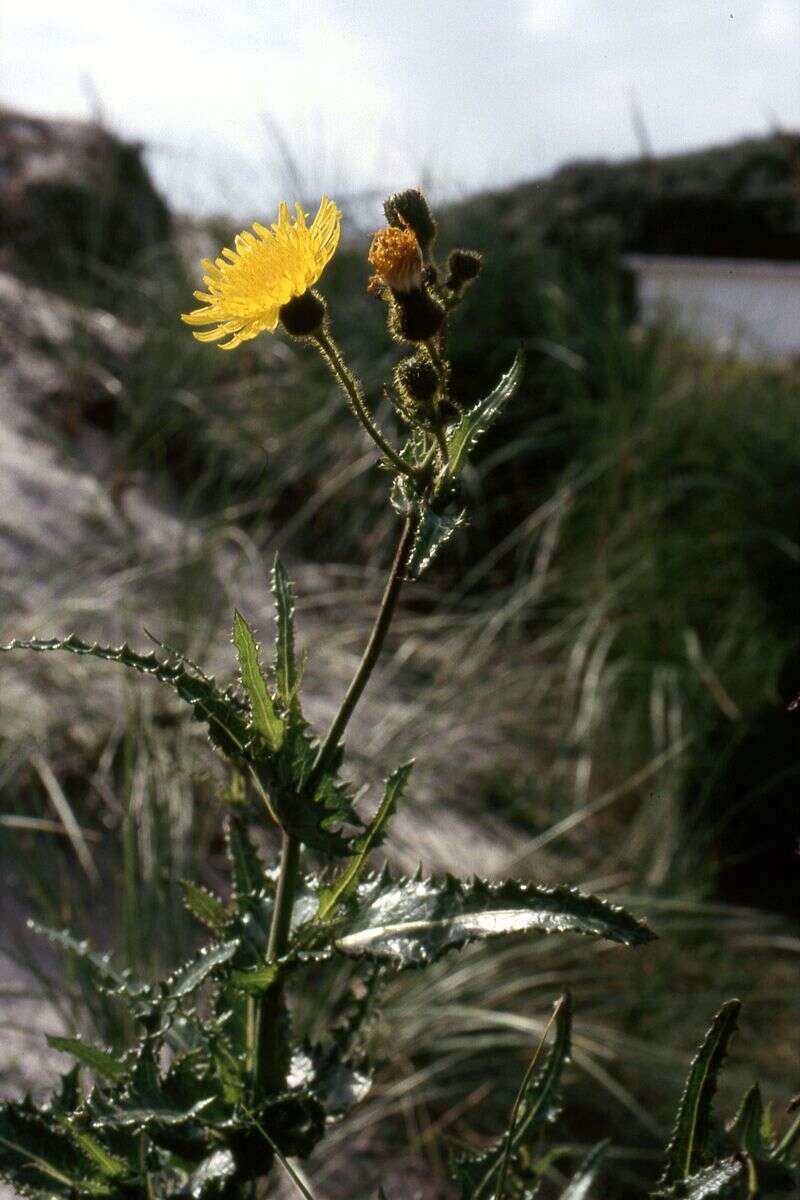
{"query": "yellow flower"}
(248, 286)
(395, 255)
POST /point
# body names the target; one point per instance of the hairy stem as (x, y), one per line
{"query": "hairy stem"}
(373, 648)
(333, 357)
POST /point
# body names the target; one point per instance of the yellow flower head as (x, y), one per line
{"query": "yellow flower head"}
(395, 255)
(248, 286)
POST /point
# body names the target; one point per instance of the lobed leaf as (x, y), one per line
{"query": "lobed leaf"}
(688, 1149)
(412, 922)
(462, 436)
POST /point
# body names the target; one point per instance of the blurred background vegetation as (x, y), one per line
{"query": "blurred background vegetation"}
(595, 678)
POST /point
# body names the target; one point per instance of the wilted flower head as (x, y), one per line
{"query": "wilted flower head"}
(248, 286)
(396, 257)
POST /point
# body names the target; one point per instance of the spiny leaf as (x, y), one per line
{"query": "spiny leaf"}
(747, 1127)
(248, 870)
(38, 1158)
(412, 922)
(106, 977)
(718, 1182)
(338, 1084)
(205, 907)
(538, 1103)
(462, 436)
(285, 665)
(687, 1151)
(209, 1178)
(191, 975)
(582, 1180)
(312, 819)
(222, 712)
(265, 718)
(341, 888)
(108, 1164)
(435, 530)
(99, 1061)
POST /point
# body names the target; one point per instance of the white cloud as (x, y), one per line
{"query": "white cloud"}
(473, 93)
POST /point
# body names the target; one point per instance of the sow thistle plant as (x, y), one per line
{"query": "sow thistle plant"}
(216, 1089)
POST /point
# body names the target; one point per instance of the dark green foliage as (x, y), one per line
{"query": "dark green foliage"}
(740, 1162)
(538, 1103)
(689, 1148)
(412, 922)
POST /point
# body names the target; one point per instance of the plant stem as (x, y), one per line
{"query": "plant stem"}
(373, 648)
(267, 1057)
(266, 1046)
(441, 442)
(333, 357)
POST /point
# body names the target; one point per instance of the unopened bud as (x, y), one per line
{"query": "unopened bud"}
(411, 208)
(417, 377)
(464, 266)
(304, 315)
(416, 316)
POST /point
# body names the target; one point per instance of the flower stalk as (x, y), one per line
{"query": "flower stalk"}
(347, 381)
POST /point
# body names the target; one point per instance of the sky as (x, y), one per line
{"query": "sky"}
(243, 100)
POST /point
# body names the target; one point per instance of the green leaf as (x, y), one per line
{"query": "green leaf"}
(106, 978)
(720, 1181)
(582, 1180)
(336, 1083)
(435, 529)
(205, 907)
(191, 975)
(462, 436)
(99, 1061)
(688, 1149)
(108, 1164)
(342, 887)
(38, 1158)
(312, 819)
(285, 665)
(210, 1178)
(538, 1103)
(248, 870)
(265, 719)
(222, 712)
(412, 922)
(257, 980)
(747, 1127)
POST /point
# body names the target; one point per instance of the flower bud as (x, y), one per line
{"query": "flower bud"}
(304, 315)
(411, 208)
(417, 377)
(464, 266)
(417, 385)
(416, 316)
